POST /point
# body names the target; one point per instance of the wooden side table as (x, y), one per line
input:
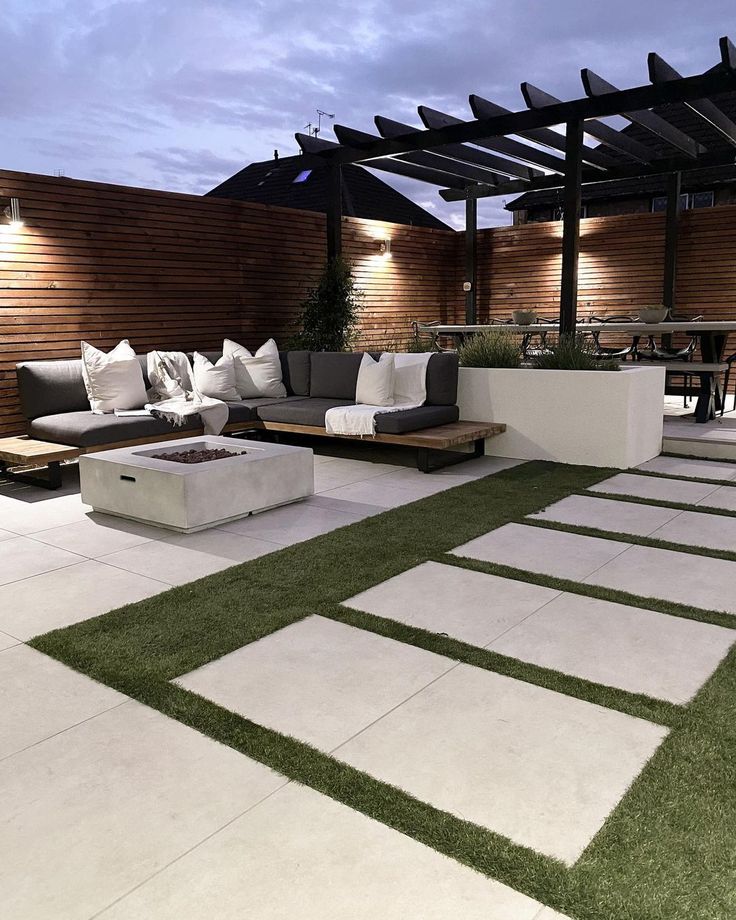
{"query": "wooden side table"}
(24, 451)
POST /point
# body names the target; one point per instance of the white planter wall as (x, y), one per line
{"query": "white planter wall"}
(594, 418)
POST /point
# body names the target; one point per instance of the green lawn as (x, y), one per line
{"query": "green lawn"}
(666, 852)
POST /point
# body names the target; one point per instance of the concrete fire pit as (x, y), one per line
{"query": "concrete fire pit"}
(135, 483)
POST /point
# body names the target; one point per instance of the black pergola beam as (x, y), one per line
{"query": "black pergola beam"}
(387, 127)
(571, 227)
(420, 158)
(661, 72)
(334, 212)
(672, 220)
(471, 260)
(483, 108)
(539, 100)
(597, 86)
(317, 148)
(639, 97)
(657, 168)
(531, 155)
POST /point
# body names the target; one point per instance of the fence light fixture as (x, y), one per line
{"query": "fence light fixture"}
(12, 216)
(384, 247)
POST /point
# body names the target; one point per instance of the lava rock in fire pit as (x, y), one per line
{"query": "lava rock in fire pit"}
(197, 456)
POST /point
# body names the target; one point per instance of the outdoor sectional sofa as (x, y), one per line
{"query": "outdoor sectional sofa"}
(54, 402)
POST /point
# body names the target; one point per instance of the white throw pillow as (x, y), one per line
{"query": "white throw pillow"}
(375, 385)
(258, 374)
(215, 380)
(113, 380)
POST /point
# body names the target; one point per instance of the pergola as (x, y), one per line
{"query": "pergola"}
(488, 155)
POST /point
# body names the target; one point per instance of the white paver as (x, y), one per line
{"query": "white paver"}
(694, 528)
(7, 641)
(696, 581)
(655, 488)
(32, 509)
(97, 535)
(536, 549)
(293, 523)
(466, 605)
(301, 855)
(385, 495)
(6, 535)
(96, 810)
(642, 651)
(22, 558)
(40, 697)
(724, 497)
(342, 472)
(607, 514)
(697, 469)
(541, 768)
(318, 680)
(180, 559)
(69, 595)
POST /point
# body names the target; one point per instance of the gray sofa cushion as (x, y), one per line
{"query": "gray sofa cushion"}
(414, 419)
(50, 387)
(83, 429)
(295, 367)
(334, 375)
(245, 410)
(442, 380)
(301, 411)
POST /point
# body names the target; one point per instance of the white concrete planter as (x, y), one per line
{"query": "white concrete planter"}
(596, 418)
(132, 483)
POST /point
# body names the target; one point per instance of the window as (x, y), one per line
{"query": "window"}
(688, 200)
(559, 213)
(303, 176)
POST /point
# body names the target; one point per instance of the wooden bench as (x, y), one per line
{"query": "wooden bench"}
(27, 452)
(434, 446)
(709, 395)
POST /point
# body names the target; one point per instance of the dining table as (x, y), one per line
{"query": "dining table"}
(711, 335)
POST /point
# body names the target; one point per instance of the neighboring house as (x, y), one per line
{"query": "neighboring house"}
(290, 183)
(703, 188)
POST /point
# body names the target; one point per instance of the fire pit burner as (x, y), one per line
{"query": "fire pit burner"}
(197, 456)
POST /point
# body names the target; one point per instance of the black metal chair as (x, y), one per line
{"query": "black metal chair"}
(426, 335)
(616, 352)
(528, 349)
(665, 352)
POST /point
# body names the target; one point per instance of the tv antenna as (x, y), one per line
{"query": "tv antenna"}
(312, 129)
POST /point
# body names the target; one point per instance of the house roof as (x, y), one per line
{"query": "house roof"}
(681, 117)
(290, 183)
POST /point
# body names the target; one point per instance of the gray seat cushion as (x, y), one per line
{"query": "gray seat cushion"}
(414, 419)
(300, 411)
(245, 410)
(84, 429)
(334, 375)
(442, 380)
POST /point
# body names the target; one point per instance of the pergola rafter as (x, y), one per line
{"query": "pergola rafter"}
(440, 153)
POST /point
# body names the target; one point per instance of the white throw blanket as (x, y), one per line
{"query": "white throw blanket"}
(174, 396)
(410, 392)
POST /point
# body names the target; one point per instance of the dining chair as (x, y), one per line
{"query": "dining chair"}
(665, 352)
(528, 350)
(613, 352)
(729, 361)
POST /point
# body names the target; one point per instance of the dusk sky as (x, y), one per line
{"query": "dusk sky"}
(180, 94)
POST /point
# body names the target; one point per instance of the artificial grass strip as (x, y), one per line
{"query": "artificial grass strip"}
(664, 853)
(662, 502)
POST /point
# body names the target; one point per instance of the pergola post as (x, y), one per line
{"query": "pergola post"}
(471, 254)
(571, 226)
(334, 211)
(669, 287)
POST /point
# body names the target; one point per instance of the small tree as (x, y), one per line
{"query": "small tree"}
(330, 310)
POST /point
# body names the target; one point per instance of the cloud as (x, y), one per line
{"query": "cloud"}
(179, 93)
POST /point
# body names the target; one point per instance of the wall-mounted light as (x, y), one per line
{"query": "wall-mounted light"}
(11, 213)
(384, 247)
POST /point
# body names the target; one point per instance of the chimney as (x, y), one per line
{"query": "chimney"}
(275, 154)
